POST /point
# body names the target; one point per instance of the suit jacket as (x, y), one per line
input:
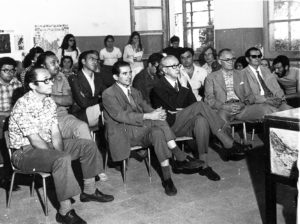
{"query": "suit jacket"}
(269, 79)
(164, 95)
(215, 89)
(121, 121)
(82, 94)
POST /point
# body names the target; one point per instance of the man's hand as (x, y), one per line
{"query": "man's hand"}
(233, 108)
(158, 114)
(183, 78)
(274, 101)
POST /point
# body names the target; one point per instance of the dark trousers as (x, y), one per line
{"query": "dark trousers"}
(59, 164)
(156, 133)
(197, 120)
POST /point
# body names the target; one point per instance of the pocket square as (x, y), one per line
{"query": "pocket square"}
(241, 83)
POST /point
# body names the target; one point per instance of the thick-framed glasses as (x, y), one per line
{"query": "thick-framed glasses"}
(256, 56)
(173, 66)
(228, 59)
(46, 81)
(7, 71)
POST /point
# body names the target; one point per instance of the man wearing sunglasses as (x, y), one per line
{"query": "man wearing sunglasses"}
(225, 91)
(145, 80)
(187, 117)
(263, 84)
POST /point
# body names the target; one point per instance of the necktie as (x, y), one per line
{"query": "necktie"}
(176, 87)
(131, 100)
(267, 91)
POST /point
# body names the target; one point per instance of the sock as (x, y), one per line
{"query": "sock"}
(65, 207)
(166, 174)
(89, 186)
(179, 155)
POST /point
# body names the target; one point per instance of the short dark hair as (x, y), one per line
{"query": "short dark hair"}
(185, 49)
(155, 57)
(66, 57)
(30, 56)
(84, 55)
(7, 61)
(247, 53)
(174, 39)
(40, 62)
(106, 39)
(30, 77)
(242, 60)
(284, 60)
(116, 67)
(223, 50)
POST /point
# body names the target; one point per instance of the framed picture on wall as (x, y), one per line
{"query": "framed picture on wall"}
(5, 46)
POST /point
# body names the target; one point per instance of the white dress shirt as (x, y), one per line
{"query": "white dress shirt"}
(90, 81)
(262, 92)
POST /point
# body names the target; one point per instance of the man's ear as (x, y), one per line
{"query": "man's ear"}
(247, 59)
(115, 77)
(32, 85)
(286, 68)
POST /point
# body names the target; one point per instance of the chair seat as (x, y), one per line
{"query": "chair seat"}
(183, 138)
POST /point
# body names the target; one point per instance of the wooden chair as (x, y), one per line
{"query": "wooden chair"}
(18, 171)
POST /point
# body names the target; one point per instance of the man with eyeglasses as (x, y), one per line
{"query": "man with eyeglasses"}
(10, 89)
(146, 79)
(194, 73)
(38, 146)
(225, 92)
(187, 117)
(263, 84)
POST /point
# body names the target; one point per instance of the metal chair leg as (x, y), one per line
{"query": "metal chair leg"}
(253, 133)
(232, 131)
(244, 132)
(10, 189)
(149, 164)
(45, 196)
(124, 171)
(105, 162)
(32, 186)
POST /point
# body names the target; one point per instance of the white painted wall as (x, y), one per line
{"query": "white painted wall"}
(85, 18)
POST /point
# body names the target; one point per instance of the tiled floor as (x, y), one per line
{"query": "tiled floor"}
(237, 199)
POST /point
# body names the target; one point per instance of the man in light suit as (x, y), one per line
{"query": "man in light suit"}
(130, 121)
(227, 91)
(263, 84)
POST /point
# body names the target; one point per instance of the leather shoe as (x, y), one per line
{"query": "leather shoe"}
(189, 163)
(97, 196)
(70, 218)
(169, 186)
(239, 149)
(209, 173)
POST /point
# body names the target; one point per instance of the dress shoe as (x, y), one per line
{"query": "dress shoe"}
(189, 163)
(70, 218)
(169, 186)
(209, 173)
(239, 149)
(97, 196)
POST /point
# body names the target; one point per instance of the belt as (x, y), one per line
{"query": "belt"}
(232, 101)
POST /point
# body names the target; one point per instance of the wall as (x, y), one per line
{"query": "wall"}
(89, 18)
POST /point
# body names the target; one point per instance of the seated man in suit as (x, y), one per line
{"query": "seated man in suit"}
(38, 145)
(263, 84)
(130, 121)
(87, 87)
(186, 116)
(225, 92)
(145, 80)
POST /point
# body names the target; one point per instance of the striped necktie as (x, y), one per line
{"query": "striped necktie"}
(131, 100)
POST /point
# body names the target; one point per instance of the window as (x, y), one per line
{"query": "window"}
(282, 22)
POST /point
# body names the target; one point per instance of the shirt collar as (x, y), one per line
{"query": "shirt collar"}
(254, 70)
(87, 76)
(13, 81)
(124, 89)
(171, 81)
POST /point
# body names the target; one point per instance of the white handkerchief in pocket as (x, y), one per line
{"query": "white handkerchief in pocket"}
(241, 83)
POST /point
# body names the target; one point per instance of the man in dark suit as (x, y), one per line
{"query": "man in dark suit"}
(130, 121)
(227, 91)
(186, 116)
(87, 87)
(263, 84)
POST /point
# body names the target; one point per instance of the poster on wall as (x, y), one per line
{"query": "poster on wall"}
(5, 43)
(49, 37)
(284, 151)
(19, 42)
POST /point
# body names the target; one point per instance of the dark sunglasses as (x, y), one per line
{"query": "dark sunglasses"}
(256, 56)
(46, 81)
(71, 40)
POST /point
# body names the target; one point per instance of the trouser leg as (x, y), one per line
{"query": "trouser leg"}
(255, 112)
(88, 154)
(57, 163)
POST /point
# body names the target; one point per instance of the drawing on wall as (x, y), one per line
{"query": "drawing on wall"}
(284, 145)
(49, 37)
(5, 43)
(19, 42)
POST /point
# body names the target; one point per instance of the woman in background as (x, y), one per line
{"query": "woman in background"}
(69, 48)
(240, 63)
(133, 53)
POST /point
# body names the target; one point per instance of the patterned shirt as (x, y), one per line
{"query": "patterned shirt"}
(31, 116)
(228, 77)
(6, 92)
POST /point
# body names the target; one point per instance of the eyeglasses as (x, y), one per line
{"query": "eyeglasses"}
(228, 59)
(46, 81)
(173, 66)
(256, 56)
(5, 70)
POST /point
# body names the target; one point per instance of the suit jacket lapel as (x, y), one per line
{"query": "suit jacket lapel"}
(220, 79)
(168, 85)
(84, 82)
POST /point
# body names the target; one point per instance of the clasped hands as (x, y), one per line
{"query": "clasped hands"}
(274, 101)
(233, 108)
(157, 114)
